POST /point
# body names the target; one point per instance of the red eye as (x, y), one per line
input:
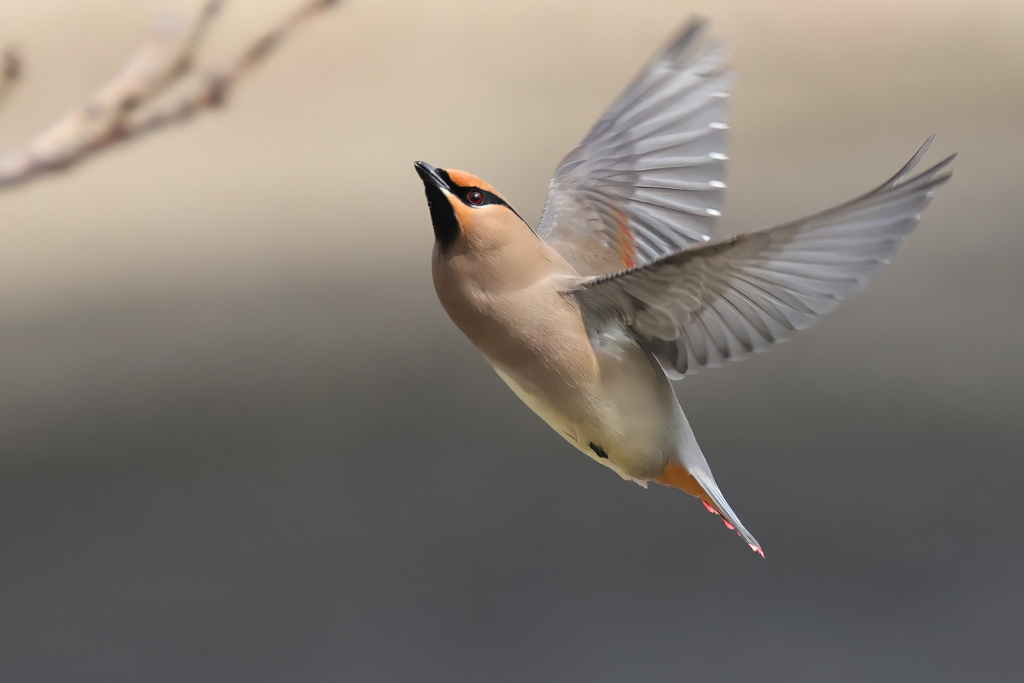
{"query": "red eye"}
(475, 197)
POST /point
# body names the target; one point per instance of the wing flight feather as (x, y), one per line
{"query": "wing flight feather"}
(647, 180)
(724, 300)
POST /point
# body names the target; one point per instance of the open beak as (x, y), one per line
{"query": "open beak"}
(430, 177)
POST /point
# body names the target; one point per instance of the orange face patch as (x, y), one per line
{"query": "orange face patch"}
(463, 179)
(473, 209)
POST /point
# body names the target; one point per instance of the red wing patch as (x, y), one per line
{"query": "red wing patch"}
(625, 242)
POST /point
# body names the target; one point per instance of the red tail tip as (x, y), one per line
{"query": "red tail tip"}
(756, 549)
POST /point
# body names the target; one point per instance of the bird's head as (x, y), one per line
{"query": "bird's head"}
(464, 206)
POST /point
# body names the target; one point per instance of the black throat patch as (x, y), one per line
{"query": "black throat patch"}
(442, 215)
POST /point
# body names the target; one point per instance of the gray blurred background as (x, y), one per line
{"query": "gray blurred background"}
(240, 440)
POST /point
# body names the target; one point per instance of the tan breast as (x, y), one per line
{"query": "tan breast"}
(507, 297)
(501, 285)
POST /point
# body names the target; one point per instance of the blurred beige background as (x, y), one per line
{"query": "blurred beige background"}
(306, 174)
(239, 310)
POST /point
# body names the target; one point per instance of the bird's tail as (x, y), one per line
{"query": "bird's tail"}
(689, 471)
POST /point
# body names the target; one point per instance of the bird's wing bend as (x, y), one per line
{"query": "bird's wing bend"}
(646, 181)
(725, 300)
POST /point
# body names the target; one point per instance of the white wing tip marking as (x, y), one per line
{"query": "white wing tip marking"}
(718, 125)
(721, 93)
(713, 212)
(706, 238)
(717, 183)
(718, 156)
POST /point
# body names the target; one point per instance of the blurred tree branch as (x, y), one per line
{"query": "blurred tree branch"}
(128, 105)
(10, 72)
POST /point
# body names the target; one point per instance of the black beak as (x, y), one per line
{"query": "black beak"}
(430, 176)
(439, 199)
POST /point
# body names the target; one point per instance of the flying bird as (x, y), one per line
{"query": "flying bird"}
(621, 286)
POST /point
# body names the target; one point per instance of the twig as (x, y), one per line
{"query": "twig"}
(10, 72)
(125, 107)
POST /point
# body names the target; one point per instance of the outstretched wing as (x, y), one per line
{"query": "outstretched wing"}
(725, 300)
(647, 179)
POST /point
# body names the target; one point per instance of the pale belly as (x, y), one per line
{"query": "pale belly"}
(622, 422)
(602, 396)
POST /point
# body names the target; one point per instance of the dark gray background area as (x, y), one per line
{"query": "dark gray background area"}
(240, 440)
(271, 510)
